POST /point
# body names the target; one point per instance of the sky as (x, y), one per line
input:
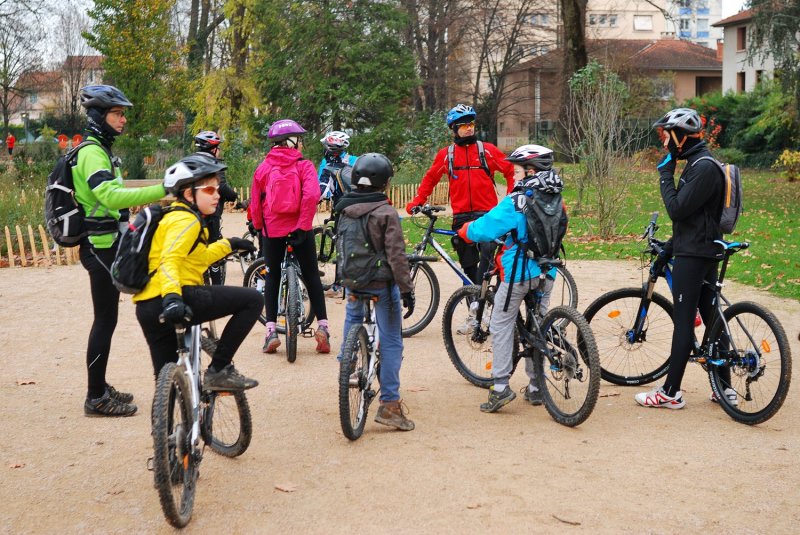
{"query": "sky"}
(731, 7)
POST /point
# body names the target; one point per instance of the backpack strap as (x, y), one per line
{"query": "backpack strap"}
(199, 220)
(481, 157)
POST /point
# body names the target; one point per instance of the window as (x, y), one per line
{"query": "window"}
(759, 77)
(685, 3)
(643, 23)
(741, 38)
(502, 127)
(740, 82)
(612, 21)
(702, 25)
(605, 20)
(539, 19)
(33, 98)
(684, 25)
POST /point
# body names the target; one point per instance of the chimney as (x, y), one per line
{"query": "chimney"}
(719, 49)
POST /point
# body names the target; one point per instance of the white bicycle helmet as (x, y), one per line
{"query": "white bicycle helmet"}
(335, 140)
(535, 156)
(684, 118)
(189, 170)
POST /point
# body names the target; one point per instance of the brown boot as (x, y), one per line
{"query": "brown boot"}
(393, 414)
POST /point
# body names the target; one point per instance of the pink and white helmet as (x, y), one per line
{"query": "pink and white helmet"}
(284, 129)
(335, 140)
(535, 156)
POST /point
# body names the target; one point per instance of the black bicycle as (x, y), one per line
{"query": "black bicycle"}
(634, 329)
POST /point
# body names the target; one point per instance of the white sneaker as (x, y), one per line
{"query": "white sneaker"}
(730, 395)
(658, 398)
(468, 326)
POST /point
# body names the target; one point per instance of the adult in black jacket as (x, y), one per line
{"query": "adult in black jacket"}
(695, 207)
(207, 144)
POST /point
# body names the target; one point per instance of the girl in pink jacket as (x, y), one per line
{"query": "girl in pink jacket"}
(283, 202)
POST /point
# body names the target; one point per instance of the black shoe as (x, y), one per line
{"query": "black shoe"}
(227, 379)
(498, 400)
(108, 406)
(533, 397)
(123, 397)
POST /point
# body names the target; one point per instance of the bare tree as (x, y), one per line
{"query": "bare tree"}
(78, 60)
(204, 18)
(573, 41)
(18, 55)
(436, 28)
(17, 8)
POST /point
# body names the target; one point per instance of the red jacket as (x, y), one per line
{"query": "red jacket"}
(473, 190)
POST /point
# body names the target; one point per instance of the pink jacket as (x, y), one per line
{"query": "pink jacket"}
(285, 193)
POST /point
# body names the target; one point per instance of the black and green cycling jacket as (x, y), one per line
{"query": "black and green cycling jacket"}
(99, 189)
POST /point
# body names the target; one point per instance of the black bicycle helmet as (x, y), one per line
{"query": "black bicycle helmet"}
(536, 156)
(372, 169)
(686, 119)
(189, 170)
(207, 140)
(103, 96)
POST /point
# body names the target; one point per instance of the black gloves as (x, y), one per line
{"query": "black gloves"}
(657, 268)
(408, 303)
(251, 228)
(298, 236)
(174, 309)
(242, 245)
(666, 164)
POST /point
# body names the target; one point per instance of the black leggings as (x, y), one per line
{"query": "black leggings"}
(105, 304)
(306, 254)
(475, 258)
(688, 294)
(207, 303)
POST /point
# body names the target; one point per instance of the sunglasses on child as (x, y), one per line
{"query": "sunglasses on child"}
(208, 190)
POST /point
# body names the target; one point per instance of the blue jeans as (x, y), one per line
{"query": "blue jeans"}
(389, 316)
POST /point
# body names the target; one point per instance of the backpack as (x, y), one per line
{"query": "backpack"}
(732, 196)
(545, 219)
(283, 190)
(65, 218)
(358, 262)
(129, 270)
(481, 156)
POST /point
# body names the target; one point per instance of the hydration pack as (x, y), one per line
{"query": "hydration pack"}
(731, 195)
(65, 218)
(481, 157)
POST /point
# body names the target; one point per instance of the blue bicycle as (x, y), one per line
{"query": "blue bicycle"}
(633, 328)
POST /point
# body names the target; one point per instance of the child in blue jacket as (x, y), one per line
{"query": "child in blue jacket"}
(532, 170)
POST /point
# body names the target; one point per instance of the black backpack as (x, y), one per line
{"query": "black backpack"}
(129, 271)
(546, 221)
(358, 262)
(732, 194)
(63, 214)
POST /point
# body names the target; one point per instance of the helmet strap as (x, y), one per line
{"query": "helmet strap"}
(292, 141)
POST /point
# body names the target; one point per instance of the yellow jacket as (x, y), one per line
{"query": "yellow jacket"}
(170, 257)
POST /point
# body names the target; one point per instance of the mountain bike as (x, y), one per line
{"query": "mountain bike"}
(325, 239)
(559, 343)
(426, 285)
(183, 414)
(634, 333)
(358, 369)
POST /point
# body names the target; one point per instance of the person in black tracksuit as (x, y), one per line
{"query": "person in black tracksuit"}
(695, 207)
(207, 144)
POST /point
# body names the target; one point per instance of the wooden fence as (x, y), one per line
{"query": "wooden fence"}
(31, 246)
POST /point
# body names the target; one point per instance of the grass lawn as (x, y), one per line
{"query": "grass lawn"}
(769, 222)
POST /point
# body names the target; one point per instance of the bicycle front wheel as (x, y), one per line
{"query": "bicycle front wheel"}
(255, 277)
(292, 308)
(354, 391)
(570, 376)
(628, 358)
(426, 295)
(174, 465)
(326, 255)
(759, 361)
(227, 423)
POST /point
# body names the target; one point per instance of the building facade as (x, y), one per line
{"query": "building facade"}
(739, 72)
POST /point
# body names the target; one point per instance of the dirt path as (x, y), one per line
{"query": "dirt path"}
(626, 469)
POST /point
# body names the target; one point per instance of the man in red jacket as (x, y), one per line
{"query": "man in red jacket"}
(470, 166)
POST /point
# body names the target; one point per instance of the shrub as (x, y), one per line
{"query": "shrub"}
(734, 156)
(789, 161)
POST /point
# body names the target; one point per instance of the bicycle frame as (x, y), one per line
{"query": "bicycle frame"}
(189, 362)
(288, 259)
(373, 335)
(428, 239)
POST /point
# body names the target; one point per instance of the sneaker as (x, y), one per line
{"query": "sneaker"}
(124, 397)
(209, 345)
(323, 340)
(657, 398)
(393, 414)
(271, 343)
(729, 393)
(106, 405)
(467, 327)
(228, 378)
(534, 397)
(498, 400)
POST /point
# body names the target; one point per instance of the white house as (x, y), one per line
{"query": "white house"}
(740, 73)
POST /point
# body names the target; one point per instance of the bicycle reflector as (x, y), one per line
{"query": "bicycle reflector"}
(488, 365)
(614, 314)
(765, 347)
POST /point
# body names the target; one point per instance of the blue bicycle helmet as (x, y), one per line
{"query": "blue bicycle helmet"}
(461, 113)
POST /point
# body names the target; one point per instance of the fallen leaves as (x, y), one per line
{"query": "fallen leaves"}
(23, 382)
(16, 465)
(286, 487)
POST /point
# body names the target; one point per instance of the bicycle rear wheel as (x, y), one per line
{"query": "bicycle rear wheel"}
(354, 392)
(426, 296)
(626, 359)
(255, 277)
(759, 359)
(292, 308)
(570, 378)
(326, 255)
(565, 289)
(174, 466)
(227, 423)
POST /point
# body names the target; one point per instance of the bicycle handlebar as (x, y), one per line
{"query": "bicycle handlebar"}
(427, 209)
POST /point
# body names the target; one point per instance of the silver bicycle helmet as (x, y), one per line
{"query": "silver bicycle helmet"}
(684, 118)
